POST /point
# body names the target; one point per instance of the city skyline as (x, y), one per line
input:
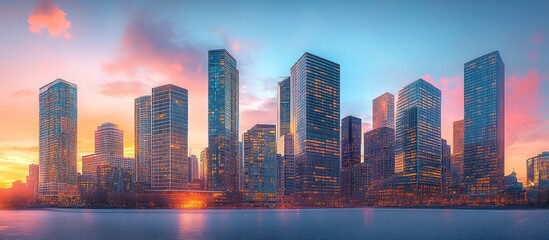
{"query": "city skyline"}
(106, 100)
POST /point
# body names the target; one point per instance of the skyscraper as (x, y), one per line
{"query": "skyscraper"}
(57, 138)
(142, 130)
(537, 171)
(260, 183)
(379, 153)
(484, 130)
(315, 125)
(285, 146)
(32, 180)
(109, 150)
(222, 121)
(384, 111)
(109, 140)
(418, 137)
(204, 164)
(169, 138)
(351, 140)
(457, 156)
(193, 168)
(446, 165)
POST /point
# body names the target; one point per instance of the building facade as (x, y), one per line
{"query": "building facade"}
(169, 138)
(32, 180)
(223, 116)
(484, 130)
(109, 140)
(260, 183)
(351, 141)
(379, 153)
(418, 137)
(383, 110)
(57, 138)
(445, 150)
(143, 130)
(315, 125)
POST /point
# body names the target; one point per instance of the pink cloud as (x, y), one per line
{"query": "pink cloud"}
(47, 15)
(537, 38)
(123, 88)
(22, 93)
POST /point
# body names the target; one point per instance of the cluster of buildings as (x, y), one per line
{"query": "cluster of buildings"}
(310, 157)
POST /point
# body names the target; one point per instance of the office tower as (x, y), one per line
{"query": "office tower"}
(240, 166)
(457, 156)
(446, 165)
(379, 153)
(169, 168)
(484, 130)
(87, 186)
(537, 171)
(260, 183)
(283, 107)
(222, 122)
(57, 138)
(142, 130)
(204, 164)
(113, 179)
(315, 117)
(193, 168)
(32, 180)
(418, 134)
(383, 109)
(285, 147)
(351, 140)
(109, 140)
(109, 150)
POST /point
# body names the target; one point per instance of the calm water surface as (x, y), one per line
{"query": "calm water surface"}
(359, 223)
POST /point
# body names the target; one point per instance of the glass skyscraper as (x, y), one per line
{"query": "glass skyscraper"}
(537, 171)
(109, 140)
(315, 125)
(351, 141)
(484, 130)
(285, 141)
(446, 165)
(223, 114)
(57, 138)
(384, 111)
(457, 155)
(142, 130)
(418, 137)
(260, 183)
(169, 138)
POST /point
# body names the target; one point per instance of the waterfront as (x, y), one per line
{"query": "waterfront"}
(357, 223)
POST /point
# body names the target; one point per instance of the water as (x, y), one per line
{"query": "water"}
(366, 223)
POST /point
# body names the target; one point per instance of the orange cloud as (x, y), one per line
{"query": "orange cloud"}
(47, 15)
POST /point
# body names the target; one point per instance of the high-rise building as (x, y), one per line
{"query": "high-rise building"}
(193, 168)
(169, 138)
(222, 121)
(537, 171)
(143, 130)
(418, 137)
(484, 130)
(285, 147)
(32, 180)
(109, 150)
(204, 164)
(457, 156)
(283, 107)
(57, 138)
(109, 139)
(260, 183)
(383, 109)
(379, 153)
(351, 140)
(315, 125)
(445, 150)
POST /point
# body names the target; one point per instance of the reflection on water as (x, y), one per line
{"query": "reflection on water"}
(274, 224)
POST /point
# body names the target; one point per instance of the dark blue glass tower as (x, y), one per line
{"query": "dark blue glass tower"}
(418, 137)
(222, 122)
(484, 130)
(315, 125)
(351, 140)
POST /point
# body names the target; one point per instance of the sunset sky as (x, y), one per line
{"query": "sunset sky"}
(116, 51)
